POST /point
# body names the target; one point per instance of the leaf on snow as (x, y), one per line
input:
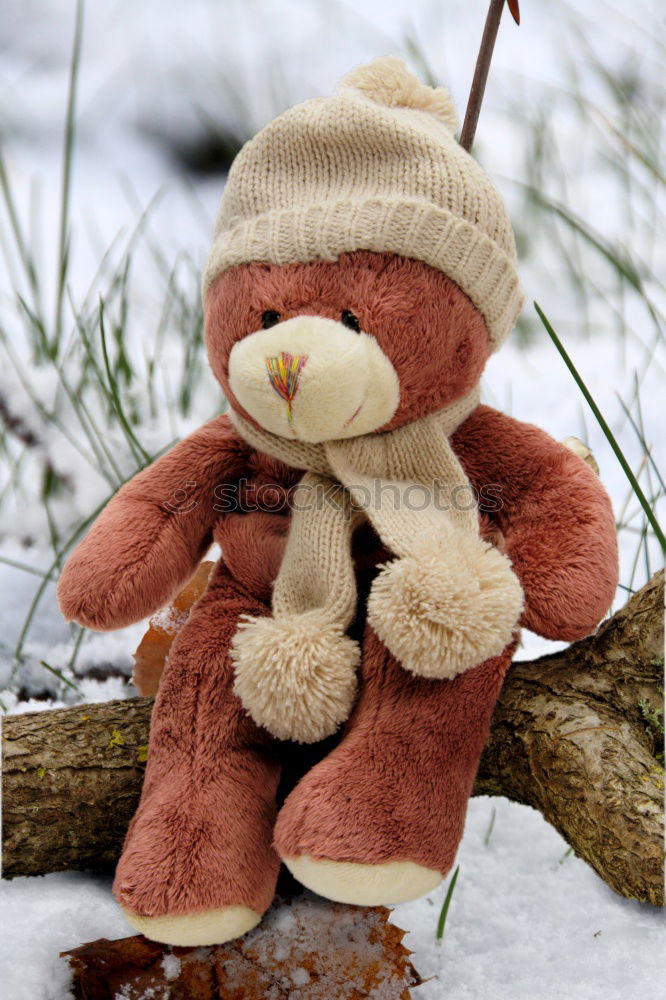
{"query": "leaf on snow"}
(305, 948)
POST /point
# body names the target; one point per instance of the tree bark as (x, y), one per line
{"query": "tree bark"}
(571, 737)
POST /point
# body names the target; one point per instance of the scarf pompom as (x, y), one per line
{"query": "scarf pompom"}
(295, 675)
(448, 606)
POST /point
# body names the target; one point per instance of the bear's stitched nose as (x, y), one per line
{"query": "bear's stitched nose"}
(284, 372)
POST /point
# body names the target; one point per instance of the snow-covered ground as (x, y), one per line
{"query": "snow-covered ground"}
(526, 922)
(521, 924)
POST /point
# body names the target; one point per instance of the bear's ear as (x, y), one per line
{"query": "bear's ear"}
(389, 82)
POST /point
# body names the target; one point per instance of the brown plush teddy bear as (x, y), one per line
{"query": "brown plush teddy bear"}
(383, 534)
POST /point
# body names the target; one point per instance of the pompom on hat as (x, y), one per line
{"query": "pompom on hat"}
(375, 167)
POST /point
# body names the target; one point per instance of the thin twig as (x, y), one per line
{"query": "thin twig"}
(481, 70)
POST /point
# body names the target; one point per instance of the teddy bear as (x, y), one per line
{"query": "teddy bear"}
(384, 535)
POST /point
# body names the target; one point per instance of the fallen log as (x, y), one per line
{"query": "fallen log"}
(578, 735)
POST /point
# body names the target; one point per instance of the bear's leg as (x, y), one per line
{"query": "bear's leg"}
(198, 866)
(379, 820)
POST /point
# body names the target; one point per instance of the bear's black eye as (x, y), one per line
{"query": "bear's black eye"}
(351, 321)
(269, 318)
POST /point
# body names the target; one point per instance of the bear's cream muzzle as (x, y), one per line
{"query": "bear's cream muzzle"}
(313, 379)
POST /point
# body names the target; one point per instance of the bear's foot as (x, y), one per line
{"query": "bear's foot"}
(195, 929)
(364, 885)
(353, 832)
(379, 820)
(198, 867)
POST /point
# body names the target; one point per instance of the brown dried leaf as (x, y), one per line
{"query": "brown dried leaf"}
(305, 948)
(152, 651)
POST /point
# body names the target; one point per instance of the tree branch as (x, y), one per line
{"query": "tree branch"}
(571, 736)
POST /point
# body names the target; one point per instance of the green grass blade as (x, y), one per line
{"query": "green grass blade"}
(491, 826)
(61, 677)
(640, 434)
(67, 158)
(77, 647)
(15, 564)
(610, 437)
(48, 416)
(47, 576)
(567, 854)
(441, 923)
(140, 453)
(22, 249)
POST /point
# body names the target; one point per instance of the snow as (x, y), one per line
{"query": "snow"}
(300, 976)
(525, 922)
(50, 640)
(171, 965)
(170, 619)
(39, 918)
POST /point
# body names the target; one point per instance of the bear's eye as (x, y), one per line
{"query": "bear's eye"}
(269, 318)
(351, 321)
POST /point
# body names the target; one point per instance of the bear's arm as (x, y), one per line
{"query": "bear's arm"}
(151, 536)
(556, 519)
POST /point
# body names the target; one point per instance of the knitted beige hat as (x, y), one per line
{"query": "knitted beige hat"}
(376, 167)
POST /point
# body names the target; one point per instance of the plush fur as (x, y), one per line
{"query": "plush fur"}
(396, 787)
(555, 519)
(364, 885)
(205, 842)
(201, 838)
(344, 385)
(196, 928)
(150, 538)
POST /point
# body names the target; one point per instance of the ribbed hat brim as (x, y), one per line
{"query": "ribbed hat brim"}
(407, 227)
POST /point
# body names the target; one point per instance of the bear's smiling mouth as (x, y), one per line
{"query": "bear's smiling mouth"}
(355, 413)
(348, 421)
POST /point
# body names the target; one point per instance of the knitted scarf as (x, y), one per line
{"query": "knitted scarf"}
(446, 603)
